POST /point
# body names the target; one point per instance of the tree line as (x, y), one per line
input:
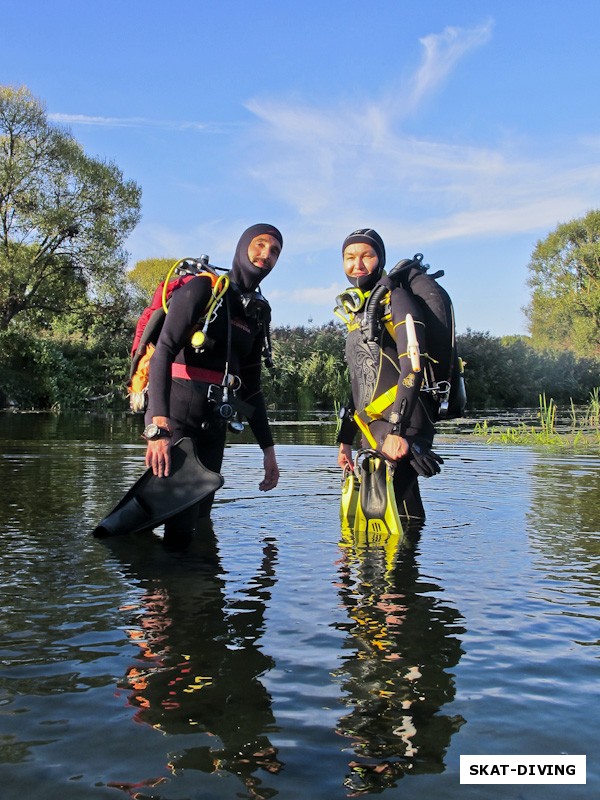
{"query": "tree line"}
(68, 304)
(85, 364)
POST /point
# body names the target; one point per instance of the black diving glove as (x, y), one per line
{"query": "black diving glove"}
(424, 461)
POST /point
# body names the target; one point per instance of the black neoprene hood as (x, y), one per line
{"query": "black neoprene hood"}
(243, 271)
(372, 238)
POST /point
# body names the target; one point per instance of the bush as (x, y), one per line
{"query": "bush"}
(44, 372)
(510, 373)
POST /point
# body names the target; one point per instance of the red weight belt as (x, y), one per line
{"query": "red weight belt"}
(197, 374)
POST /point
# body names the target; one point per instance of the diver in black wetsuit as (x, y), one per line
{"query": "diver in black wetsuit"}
(185, 389)
(394, 417)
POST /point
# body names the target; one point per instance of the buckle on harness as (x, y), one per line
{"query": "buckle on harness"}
(225, 407)
(440, 391)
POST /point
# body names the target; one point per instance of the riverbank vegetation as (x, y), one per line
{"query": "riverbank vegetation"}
(81, 361)
(581, 431)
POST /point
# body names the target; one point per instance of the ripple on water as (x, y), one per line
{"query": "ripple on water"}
(284, 660)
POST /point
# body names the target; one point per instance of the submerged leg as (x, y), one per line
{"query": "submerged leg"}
(408, 494)
(210, 451)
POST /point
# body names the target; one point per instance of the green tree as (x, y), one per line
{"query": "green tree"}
(63, 215)
(511, 373)
(146, 275)
(564, 312)
(310, 369)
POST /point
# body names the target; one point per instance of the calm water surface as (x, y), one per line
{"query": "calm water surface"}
(278, 659)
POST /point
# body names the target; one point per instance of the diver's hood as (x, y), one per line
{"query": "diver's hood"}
(367, 282)
(374, 240)
(243, 271)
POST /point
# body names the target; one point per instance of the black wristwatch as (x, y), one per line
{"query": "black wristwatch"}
(152, 432)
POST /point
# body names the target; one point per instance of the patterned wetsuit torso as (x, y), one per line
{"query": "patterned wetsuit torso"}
(375, 367)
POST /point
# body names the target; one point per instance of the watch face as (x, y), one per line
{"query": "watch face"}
(152, 431)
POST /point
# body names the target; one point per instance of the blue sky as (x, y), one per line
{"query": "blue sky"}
(463, 130)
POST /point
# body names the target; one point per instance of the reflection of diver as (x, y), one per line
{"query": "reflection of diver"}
(199, 667)
(401, 642)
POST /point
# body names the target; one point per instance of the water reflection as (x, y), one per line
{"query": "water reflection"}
(563, 533)
(126, 428)
(565, 497)
(203, 710)
(200, 662)
(401, 641)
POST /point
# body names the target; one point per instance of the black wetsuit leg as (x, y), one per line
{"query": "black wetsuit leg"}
(408, 495)
(191, 415)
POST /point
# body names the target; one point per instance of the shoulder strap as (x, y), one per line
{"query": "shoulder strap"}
(257, 307)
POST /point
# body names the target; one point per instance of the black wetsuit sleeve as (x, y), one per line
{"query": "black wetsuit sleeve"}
(348, 427)
(410, 380)
(186, 307)
(251, 392)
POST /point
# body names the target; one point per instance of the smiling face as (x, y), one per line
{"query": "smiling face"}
(360, 260)
(263, 251)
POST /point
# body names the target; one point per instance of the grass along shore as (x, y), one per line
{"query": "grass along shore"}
(582, 433)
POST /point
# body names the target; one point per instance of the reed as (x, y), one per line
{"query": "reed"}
(547, 417)
(585, 428)
(593, 409)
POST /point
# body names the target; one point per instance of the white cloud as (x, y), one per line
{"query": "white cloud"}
(442, 52)
(350, 156)
(216, 238)
(320, 170)
(353, 163)
(136, 122)
(312, 295)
